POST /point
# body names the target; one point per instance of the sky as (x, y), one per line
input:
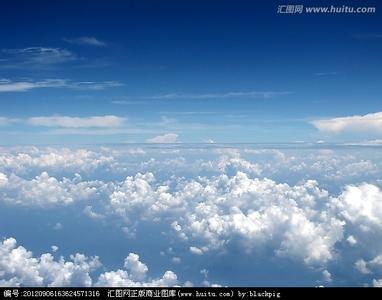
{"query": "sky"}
(223, 71)
(162, 143)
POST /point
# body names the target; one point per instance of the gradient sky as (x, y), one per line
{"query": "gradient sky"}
(301, 206)
(186, 71)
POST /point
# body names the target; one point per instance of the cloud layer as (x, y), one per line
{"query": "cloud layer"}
(313, 208)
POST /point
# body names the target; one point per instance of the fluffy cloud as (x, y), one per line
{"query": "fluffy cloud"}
(44, 190)
(56, 159)
(3, 179)
(232, 162)
(166, 138)
(361, 204)
(18, 267)
(366, 267)
(77, 122)
(137, 269)
(135, 274)
(209, 204)
(121, 278)
(138, 196)
(367, 123)
(196, 250)
(219, 210)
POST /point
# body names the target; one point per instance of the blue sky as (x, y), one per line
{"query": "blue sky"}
(163, 143)
(199, 70)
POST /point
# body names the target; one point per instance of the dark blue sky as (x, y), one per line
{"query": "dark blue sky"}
(228, 71)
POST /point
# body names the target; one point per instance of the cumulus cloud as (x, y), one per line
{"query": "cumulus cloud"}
(135, 275)
(214, 203)
(367, 267)
(370, 123)
(219, 210)
(3, 179)
(86, 41)
(166, 138)
(121, 278)
(351, 240)
(137, 269)
(57, 160)
(88, 210)
(196, 250)
(361, 204)
(138, 196)
(45, 191)
(18, 267)
(326, 276)
(361, 266)
(108, 121)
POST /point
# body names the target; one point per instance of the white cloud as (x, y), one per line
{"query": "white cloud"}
(176, 260)
(369, 267)
(135, 275)
(196, 250)
(108, 121)
(86, 41)
(18, 267)
(361, 204)
(327, 276)
(249, 94)
(377, 283)
(57, 159)
(212, 204)
(221, 209)
(54, 248)
(44, 190)
(138, 196)
(88, 210)
(137, 269)
(232, 161)
(121, 278)
(7, 85)
(22, 86)
(3, 180)
(369, 123)
(361, 266)
(36, 56)
(166, 138)
(92, 85)
(351, 240)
